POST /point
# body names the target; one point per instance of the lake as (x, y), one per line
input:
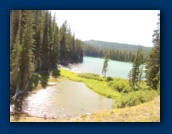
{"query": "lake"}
(95, 65)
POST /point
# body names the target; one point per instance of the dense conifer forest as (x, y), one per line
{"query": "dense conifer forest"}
(37, 44)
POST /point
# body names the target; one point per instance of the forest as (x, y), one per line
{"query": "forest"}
(37, 44)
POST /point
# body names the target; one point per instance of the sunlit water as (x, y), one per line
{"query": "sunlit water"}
(95, 65)
(66, 99)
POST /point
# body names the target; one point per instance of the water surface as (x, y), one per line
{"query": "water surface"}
(95, 65)
(66, 99)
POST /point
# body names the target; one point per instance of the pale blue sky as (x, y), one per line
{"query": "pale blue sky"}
(123, 26)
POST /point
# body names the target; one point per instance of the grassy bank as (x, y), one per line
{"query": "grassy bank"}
(115, 88)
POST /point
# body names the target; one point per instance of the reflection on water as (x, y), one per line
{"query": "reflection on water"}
(66, 99)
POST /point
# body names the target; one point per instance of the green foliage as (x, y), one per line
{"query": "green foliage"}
(120, 85)
(26, 66)
(153, 62)
(117, 51)
(15, 59)
(117, 89)
(105, 65)
(38, 36)
(54, 45)
(136, 73)
(70, 48)
(37, 44)
(109, 78)
(44, 50)
(135, 97)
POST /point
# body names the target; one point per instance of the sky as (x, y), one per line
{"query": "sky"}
(122, 26)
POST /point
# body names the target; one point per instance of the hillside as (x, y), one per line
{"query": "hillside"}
(117, 46)
(117, 51)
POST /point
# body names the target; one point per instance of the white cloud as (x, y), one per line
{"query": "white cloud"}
(123, 26)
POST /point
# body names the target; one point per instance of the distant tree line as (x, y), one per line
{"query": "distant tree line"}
(37, 43)
(117, 51)
(119, 55)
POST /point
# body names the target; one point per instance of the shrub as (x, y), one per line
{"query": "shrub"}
(126, 89)
(134, 98)
(120, 85)
(109, 79)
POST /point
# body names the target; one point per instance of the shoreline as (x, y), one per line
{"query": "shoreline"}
(74, 77)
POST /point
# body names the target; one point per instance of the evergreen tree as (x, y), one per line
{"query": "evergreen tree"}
(153, 62)
(27, 58)
(55, 45)
(15, 59)
(39, 30)
(105, 65)
(44, 50)
(50, 39)
(134, 77)
(62, 41)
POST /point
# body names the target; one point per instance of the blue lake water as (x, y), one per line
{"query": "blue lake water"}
(95, 65)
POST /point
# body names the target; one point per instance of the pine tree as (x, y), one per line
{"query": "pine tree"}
(15, 59)
(153, 62)
(55, 44)
(44, 48)
(27, 58)
(62, 41)
(39, 29)
(105, 64)
(134, 77)
(50, 40)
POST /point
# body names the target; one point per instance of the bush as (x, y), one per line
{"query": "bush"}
(120, 85)
(126, 89)
(134, 98)
(109, 79)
